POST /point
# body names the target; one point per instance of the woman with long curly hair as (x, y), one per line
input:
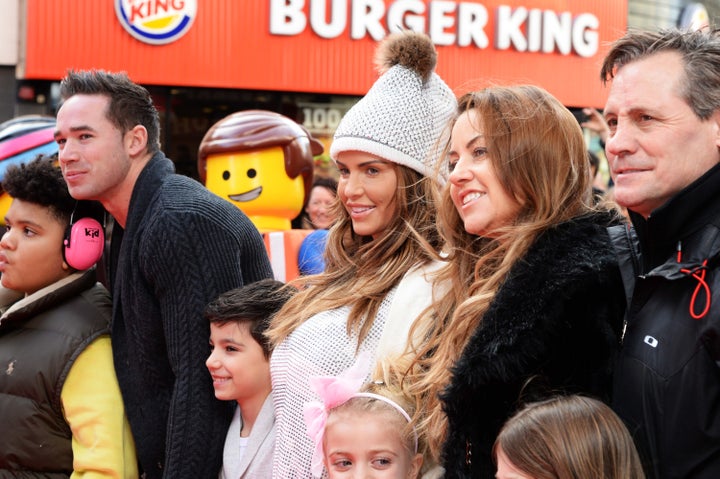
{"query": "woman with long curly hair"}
(382, 250)
(535, 301)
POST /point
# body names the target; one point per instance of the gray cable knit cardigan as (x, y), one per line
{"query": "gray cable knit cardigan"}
(182, 246)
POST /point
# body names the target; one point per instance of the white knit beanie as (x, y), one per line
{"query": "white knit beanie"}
(404, 118)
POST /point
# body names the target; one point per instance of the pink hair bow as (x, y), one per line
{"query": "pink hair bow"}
(332, 391)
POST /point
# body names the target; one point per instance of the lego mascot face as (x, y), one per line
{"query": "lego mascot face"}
(262, 162)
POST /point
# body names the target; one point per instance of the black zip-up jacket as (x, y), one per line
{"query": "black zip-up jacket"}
(667, 379)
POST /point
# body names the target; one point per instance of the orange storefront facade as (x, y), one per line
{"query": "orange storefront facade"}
(307, 59)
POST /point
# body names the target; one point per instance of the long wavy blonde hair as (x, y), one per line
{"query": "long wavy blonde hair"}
(360, 271)
(539, 154)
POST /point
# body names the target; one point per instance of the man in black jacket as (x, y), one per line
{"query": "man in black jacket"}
(663, 111)
(175, 246)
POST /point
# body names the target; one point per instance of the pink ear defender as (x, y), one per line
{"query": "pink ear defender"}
(84, 243)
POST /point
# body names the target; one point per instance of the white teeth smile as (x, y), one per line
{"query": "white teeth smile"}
(472, 196)
(361, 210)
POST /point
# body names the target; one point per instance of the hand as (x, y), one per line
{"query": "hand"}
(596, 123)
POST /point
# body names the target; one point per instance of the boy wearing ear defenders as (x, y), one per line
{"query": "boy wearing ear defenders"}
(61, 409)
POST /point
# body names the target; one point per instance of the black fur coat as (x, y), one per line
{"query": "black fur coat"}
(553, 326)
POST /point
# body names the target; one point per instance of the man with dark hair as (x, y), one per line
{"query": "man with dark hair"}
(663, 148)
(175, 246)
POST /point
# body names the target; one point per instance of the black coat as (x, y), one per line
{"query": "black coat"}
(182, 247)
(667, 378)
(553, 326)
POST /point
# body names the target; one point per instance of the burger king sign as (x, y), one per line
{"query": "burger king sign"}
(156, 21)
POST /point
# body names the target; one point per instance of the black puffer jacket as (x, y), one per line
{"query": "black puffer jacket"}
(553, 326)
(667, 380)
(40, 337)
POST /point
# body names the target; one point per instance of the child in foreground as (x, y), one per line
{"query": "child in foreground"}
(61, 410)
(564, 438)
(361, 431)
(240, 369)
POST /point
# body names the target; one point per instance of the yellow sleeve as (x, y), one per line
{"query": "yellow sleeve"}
(102, 443)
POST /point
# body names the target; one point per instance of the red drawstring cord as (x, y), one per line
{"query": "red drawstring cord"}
(699, 274)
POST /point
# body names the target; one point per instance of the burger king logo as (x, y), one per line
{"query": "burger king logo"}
(156, 21)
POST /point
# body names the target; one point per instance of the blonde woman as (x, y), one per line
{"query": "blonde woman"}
(381, 251)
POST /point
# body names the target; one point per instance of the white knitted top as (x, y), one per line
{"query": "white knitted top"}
(321, 347)
(318, 347)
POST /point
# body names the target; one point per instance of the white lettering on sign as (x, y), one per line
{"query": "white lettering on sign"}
(472, 19)
(337, 23)
(287, 17)
(546, 31)
(585, 34)
(446, 22)
(442, 14)
(367, 19)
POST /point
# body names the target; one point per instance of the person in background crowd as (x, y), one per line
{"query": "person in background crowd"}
(383, 249)
(534, 302)
(566, 437)
(321, 211)
(175, 246)
(595, 122)
(61, 409)
(239, 364)
(663, 151)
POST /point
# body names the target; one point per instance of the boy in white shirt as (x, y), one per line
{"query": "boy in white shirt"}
(240, 368)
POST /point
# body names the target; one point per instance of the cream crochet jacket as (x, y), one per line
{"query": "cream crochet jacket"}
(322, 347)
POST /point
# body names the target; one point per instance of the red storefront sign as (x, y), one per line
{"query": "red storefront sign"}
(326, 46)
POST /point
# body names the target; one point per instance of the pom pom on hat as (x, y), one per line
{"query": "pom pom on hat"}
(404, 117)
(410, 49)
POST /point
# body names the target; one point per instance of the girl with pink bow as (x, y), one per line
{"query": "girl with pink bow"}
(359, 431)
